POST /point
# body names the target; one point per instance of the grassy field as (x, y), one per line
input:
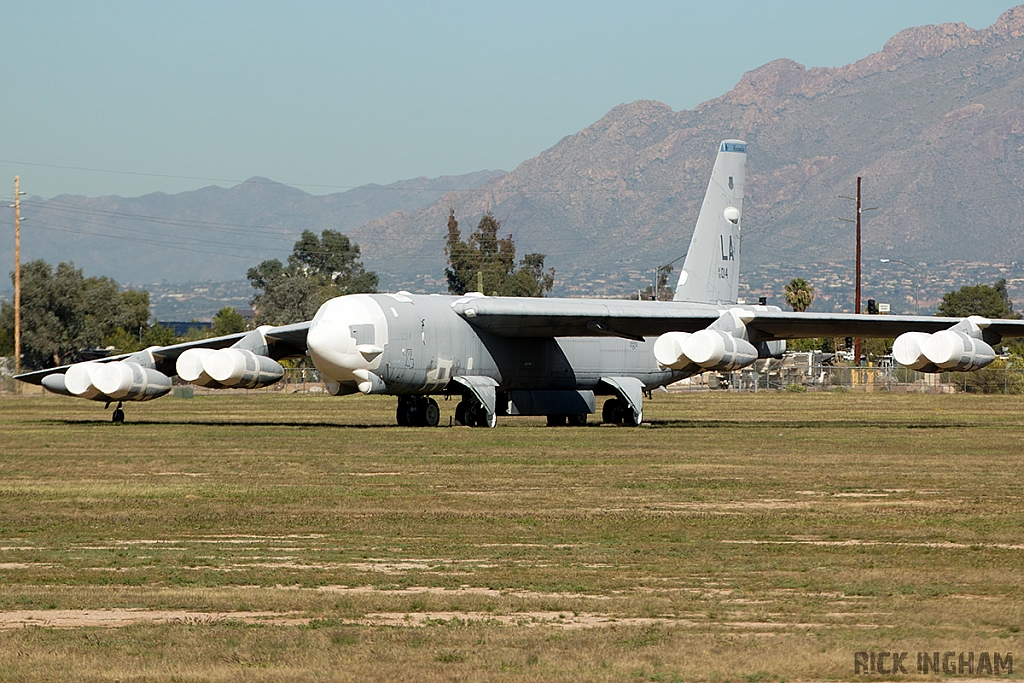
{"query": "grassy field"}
(734, 538)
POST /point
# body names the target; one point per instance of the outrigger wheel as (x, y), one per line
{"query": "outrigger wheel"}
(118, 416)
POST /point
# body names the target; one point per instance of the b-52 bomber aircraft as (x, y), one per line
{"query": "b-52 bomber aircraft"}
(528, 356)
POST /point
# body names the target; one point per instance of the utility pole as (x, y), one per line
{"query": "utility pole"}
(17, 275)
(856, 303)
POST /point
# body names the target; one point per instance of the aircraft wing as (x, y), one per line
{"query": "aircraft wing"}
(283, 341)
(522, 317)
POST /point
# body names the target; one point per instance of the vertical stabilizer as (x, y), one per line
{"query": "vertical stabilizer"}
(711, 270)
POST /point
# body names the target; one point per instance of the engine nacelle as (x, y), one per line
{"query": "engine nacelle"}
(708, 349)
(127, 381)
(189, 367)
(908, 351)
(955, 350)
(718, 350)
(668, 350)
(960, 348)
(78, 381)
(241, 368)
(120, 381)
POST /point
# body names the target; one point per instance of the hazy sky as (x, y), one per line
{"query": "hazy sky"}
(329, 95)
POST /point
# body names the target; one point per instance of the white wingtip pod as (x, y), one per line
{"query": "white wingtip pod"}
(241, 368)
(127, 381)
(189, 367)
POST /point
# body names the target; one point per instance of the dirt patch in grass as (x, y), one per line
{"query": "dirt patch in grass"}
(115, 618)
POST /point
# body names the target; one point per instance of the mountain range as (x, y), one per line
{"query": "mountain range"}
(934, 123)
(213, 233)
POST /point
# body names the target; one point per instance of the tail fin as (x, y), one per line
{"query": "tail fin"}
(711, 270)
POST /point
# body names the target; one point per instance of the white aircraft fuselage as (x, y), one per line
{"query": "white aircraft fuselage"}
(415, 344)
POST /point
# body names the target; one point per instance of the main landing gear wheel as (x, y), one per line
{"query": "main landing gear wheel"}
(431, 413)
(417, 411)
(573, 420)
(118, 416)
(578, 420)
(470, 413)
(612, 413)
(616, 411)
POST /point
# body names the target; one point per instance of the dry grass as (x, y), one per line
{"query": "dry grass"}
(274, 537)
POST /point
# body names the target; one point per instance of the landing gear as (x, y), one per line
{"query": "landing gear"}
(573, 420)
(118, 416)
(617, 411)
(577, 420)
(612, 411)
(417, 411)
(470, 413)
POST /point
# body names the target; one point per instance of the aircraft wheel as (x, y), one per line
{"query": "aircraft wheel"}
(579, 420)
(487, 420)
(460, 414)
(406, 412)
(118, 416)
(631, 420)
(611, 413)
(556, 420)
(430, 414)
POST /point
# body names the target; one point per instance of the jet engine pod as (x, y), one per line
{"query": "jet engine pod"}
(907, 351)
(127, 381)
(717, 350)
(241, 368)
(189, 367)
(668, 350)
(955, 350)
(78, 381)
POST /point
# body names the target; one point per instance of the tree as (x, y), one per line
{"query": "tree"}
(988, 301)
(63, 312)
(487, 263)
(799, 294)
(665, 292)
(228, 321)
(319, 268)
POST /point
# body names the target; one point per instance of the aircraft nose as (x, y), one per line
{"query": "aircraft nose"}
(343, 337)
(327, 341)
